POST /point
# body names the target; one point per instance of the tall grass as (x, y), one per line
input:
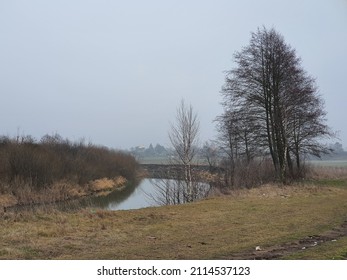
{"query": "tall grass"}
(243, 174)
(326, 172)
(26, 163)
(238, 174)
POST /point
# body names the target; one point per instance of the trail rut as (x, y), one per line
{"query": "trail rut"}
(282, 250)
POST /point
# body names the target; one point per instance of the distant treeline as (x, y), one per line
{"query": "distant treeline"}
(157, 151)
(25, 161)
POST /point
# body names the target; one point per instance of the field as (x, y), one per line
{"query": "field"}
(278, 221)
(329, 163)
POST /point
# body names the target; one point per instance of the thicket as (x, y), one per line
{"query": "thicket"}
(38, 164)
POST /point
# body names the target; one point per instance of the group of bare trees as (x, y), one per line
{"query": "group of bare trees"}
(271, 107)
(273, 118)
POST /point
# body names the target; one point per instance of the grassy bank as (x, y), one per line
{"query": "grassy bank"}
(216, 228)
(60, 191)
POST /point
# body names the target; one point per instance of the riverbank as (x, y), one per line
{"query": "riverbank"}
(222, 227)
(60, 191)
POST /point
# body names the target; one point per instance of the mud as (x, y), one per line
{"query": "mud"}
(282, 250)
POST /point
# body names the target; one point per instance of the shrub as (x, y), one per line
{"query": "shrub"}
(26, 162)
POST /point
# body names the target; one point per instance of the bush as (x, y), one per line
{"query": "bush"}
(244, 174)
(26, 162)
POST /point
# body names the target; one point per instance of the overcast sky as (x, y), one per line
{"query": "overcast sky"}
(114, 72)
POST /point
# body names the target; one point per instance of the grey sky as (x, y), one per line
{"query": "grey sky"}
(114, 72)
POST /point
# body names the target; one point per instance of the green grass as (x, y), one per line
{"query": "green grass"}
(329, 163)
(215, 228)
(329, 182)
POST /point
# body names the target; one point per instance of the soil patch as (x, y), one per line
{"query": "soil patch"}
(281, 251)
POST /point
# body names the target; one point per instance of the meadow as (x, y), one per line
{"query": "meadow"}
(271, 221)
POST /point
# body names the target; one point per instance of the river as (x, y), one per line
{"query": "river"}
(147, 193)
(133, 196)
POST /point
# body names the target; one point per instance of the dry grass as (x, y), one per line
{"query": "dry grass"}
(61, 191)
(7, 200)
(273, 191)
(327, 176)
(327, 172)
(106, 184)
(214, 228)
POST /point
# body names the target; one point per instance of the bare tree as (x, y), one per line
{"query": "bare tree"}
(210, 152)
(184, 139)
(183, 183)
(272, 103)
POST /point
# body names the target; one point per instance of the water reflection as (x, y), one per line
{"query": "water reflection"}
(148, 192)
(132, 197)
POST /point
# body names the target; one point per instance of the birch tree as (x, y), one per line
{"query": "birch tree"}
(184, 139)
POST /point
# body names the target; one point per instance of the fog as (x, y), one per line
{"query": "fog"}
(113, 72)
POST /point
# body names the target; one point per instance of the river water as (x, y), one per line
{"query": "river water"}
(149, 192)
(135, 197)
(131, 197)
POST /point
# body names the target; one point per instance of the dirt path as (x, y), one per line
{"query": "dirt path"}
(280, 251)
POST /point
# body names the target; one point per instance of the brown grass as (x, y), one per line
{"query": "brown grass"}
(61, 191)
(7, 200)
(214, 228)
(326, 172)
(106, 184)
